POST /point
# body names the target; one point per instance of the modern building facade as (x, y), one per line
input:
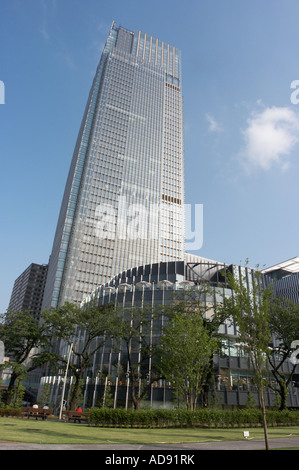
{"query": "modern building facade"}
(28, 290)
(123, 204)
(284, 277)
(149, 287)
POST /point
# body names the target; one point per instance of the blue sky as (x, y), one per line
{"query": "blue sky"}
(239, 59)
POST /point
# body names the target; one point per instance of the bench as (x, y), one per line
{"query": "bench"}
(36, 413)
(73, 415)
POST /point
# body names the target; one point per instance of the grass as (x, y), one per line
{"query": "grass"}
(54, 432)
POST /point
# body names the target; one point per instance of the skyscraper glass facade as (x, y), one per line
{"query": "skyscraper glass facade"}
(123, 204)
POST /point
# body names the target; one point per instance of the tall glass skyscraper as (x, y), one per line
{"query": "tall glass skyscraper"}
(123, 204)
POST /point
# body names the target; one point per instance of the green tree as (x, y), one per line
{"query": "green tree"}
(23, 335)
(186, 348)
(189, 342)
(18, 390)
(44, 395)
(249, 306)
(134, 332)
(107, 399)
(81, 329)
(284, 327)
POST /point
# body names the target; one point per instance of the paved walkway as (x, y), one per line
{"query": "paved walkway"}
(246, 444)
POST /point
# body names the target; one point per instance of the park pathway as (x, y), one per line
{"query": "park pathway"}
(246, 444)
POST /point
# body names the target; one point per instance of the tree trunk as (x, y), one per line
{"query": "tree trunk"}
(283, 389)
(75, 394)
(134, 398)
(10, 388)
(205, 395)
(263, 408)
(283, 396)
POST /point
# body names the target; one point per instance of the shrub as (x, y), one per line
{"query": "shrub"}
(9, 410)
(185, 418)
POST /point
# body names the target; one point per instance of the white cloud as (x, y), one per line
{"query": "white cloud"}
(44, 33)
(214, 126)
(44, 27)
(270, 137)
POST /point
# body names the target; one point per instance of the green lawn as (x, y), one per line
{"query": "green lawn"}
(54, 432)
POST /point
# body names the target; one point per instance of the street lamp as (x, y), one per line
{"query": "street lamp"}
(124, 286)
(186, 283)
(109, 289)
(128, 385)
(143, 284)
(164, 283)
(64, 384)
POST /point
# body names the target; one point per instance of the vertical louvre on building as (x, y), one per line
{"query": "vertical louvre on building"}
(129, 159)
(288, 287)
(284, 278)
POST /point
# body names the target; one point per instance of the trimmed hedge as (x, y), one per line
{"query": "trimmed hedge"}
(10, 411)
(212, 418)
